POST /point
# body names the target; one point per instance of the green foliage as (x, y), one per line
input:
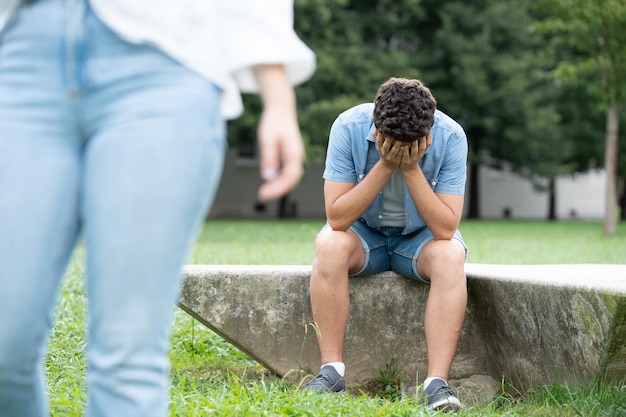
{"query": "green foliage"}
(587, 41)
(483, 71)
(486, 74)
(597, 30)
(359, 45)
(594, 399)
(319, 117)
(517, 75)
(390, 379)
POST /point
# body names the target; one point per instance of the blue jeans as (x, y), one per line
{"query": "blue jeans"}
(117, 144)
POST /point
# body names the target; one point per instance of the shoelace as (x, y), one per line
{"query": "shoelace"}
(326, 378)
(444, 389)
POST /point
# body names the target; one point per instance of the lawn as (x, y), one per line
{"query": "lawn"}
(212, 378)
(504, 242)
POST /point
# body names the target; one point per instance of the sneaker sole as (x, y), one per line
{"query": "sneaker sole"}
(445, 405)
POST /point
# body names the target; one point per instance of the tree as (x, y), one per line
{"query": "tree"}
(359, 45)
(481, 60)
(595, 30)
(482, 70)
(487, 62)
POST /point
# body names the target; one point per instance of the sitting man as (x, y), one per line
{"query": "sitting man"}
(394, 190)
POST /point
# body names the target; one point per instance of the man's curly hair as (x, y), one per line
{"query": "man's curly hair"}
(404, 109)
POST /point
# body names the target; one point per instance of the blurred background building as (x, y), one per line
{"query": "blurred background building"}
(503, 195)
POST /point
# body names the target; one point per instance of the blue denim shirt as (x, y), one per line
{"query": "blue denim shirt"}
(352, 154)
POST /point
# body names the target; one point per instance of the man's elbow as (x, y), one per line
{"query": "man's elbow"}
(444, 234)
(337, 224)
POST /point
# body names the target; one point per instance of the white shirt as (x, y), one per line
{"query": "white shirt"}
(220, 39)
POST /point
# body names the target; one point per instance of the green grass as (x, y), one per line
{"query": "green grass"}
(212, 378)
(506, 242)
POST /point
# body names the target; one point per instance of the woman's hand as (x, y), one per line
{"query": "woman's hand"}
(278, 134)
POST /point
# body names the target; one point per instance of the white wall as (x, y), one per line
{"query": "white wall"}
(581, 196)
(499, 190)
(236, 195)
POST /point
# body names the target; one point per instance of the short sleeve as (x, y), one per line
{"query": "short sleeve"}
(453, 173)
(339, 159)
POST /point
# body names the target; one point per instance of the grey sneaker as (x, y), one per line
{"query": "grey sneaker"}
(328, 380)
(438, 396)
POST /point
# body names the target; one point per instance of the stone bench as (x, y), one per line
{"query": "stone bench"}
(528, 324)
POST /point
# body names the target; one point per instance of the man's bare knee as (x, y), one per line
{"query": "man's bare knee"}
(333, 243)
(442, 258)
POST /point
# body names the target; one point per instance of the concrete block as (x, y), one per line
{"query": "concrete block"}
(551, 323)
(523, 323)
(264, 310)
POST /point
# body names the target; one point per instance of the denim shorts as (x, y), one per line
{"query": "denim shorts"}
(388, 249)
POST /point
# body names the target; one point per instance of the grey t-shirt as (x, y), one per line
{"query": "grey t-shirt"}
(393, 201)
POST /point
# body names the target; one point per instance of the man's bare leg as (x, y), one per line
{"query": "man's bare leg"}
(337, 253)
(443, 263)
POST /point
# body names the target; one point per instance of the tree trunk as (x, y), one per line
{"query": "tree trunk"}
(622, 202)
(552, 199)
(287, 208)
(474, 192)
(610, 167)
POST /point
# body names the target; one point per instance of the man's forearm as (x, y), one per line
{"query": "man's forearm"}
(348, 207)
(438, 217)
